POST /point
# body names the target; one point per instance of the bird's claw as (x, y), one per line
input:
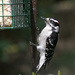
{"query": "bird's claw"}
(32, 44)
(37, 30)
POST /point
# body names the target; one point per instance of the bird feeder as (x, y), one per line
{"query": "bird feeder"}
(14, 14)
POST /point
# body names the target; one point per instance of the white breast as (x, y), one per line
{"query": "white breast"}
(43, 36)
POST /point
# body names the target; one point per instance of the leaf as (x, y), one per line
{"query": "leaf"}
(33, 73)
(59, 73)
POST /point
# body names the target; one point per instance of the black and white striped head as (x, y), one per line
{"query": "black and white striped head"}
(52, 23)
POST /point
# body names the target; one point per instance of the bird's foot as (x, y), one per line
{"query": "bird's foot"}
(32, 44)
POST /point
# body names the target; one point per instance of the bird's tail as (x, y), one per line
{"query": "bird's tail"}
(41, 63)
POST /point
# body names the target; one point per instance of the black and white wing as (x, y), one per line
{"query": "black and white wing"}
(51, 42)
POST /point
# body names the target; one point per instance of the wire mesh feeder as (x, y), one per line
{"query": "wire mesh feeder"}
(14, 14)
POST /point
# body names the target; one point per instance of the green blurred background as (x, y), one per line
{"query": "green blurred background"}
(15, 51)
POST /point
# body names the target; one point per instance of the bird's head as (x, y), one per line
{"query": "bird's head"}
(52, 23)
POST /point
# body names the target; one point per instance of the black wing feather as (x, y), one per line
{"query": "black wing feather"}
(51, 42)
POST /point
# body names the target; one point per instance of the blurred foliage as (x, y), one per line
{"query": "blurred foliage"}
(33, 73)
(14, 51)
(13, 42)
(59, 73)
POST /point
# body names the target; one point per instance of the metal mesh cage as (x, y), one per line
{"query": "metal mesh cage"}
(14, 14)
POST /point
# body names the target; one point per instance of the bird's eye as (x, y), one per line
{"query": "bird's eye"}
(51, 21)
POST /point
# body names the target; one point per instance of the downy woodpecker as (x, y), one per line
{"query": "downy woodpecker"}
(47, 41)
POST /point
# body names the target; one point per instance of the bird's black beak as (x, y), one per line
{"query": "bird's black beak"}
(43, 18)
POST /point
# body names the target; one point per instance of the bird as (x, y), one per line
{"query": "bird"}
(47, 40)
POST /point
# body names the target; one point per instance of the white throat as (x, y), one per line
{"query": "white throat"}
(56, 29)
